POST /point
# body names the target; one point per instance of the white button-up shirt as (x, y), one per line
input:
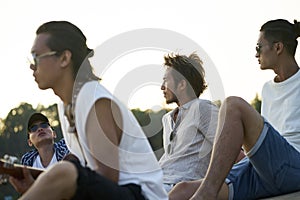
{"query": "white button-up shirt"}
(188, 152)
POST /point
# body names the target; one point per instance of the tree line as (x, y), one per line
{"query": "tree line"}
(13, 131)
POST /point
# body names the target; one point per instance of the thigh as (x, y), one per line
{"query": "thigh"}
(91, 185)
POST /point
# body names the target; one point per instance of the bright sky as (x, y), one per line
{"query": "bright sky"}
(226, 30)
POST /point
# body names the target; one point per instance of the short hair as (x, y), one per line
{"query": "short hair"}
(281, 30)
(189, 68)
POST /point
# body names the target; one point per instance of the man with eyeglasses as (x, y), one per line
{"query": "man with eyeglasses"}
(34, 59)
(115, 159)
(41, 135)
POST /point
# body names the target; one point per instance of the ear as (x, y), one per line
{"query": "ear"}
(29, 142)
(182, 84)
(54, 134)
(279, 47)
(66, 58)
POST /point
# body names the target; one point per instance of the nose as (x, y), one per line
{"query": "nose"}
(162, 87)
(32, 67)
(256, 55)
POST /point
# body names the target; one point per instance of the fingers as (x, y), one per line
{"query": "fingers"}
(22, 185)
(27, 175)
(16, 183)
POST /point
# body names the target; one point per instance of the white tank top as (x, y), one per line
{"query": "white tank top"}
(137, 162)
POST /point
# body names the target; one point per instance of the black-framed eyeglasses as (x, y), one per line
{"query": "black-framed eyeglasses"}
(35, 127)
(259, 47)
(35, 59)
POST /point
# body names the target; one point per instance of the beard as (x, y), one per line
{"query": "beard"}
(172, 98)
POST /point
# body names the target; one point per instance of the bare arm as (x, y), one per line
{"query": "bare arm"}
(104, 131)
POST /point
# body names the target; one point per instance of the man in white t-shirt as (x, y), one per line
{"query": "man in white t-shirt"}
(41, 136)
(271, 141)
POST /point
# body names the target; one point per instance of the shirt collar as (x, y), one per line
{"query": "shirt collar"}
(188, 104)
(185, 106)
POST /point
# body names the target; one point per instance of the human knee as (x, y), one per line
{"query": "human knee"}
(234, 103)
(179, 191)
(182, 185)
(176, 192)
(63, 169)
(66, 168)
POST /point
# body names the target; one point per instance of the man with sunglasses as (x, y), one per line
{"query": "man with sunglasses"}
(271, 140)
(41, 136)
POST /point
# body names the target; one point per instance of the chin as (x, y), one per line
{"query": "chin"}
(170, 101)
(262, 68)
(42, 87)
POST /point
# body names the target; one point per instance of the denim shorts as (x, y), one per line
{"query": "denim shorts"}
(272, 167)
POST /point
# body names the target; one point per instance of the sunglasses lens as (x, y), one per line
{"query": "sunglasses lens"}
(44, 125)
(34, 128)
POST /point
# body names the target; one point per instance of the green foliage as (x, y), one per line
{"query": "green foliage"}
(13, 135)
(218, 103)
(151, 124)
(13, 132)
(256, 103)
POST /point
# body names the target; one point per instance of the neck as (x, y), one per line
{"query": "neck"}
(286, 72)
(64, 91)
(46, 153)
(285, 68)
(185, 100)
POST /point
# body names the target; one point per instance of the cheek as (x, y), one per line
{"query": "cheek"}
(46, 77)
(31, 137)
(266, 61)
(41, 73)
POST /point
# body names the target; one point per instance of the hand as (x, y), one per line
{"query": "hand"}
(22, 185)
